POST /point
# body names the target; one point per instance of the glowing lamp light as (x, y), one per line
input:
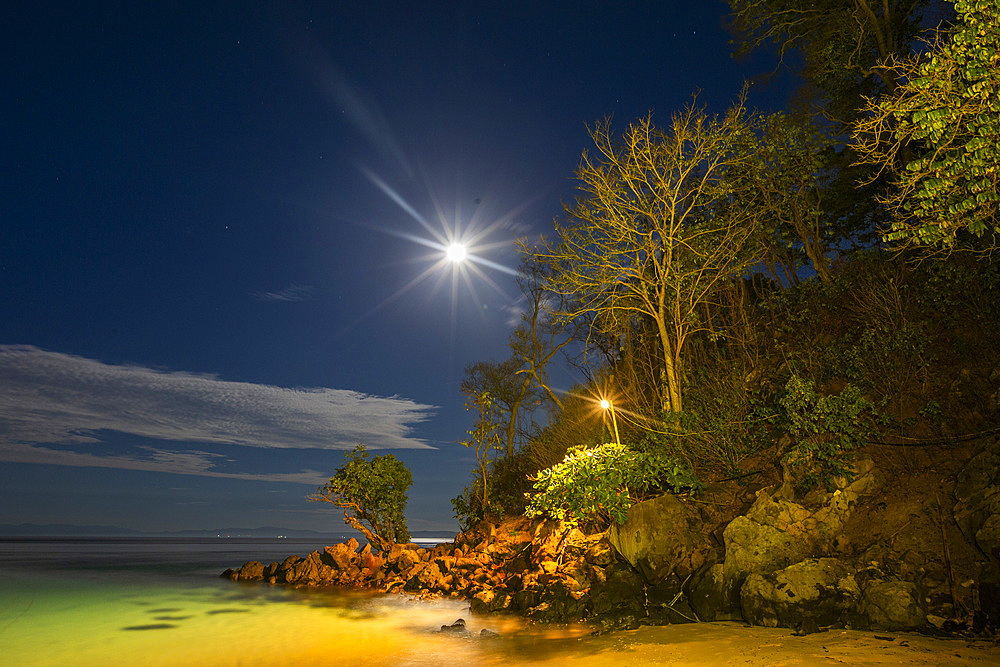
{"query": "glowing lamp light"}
(456, 252)
(607, 405)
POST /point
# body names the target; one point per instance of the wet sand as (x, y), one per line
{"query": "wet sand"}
(737, 644)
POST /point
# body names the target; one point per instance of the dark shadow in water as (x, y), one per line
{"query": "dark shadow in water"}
(212, 612)
(171, 618)
(163, 610)
(151, 626)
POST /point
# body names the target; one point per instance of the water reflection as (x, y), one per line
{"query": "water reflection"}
(47, 619)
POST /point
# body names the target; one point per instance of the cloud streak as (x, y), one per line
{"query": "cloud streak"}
(291, 293)
(151, 459)
(53, 398)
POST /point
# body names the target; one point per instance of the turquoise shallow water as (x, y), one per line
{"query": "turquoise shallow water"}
(91, 602)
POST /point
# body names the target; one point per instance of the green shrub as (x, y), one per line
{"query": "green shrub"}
(825, 429)
(598, 485)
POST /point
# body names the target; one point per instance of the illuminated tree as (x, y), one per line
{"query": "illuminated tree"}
(372, 494)
(939, 133)
(655, 233)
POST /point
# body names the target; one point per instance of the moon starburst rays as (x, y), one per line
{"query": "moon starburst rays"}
(457, 251)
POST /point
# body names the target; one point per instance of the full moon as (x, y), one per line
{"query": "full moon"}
(456, 252)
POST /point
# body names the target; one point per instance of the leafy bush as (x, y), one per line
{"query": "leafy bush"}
(598, 485)
(825, 429)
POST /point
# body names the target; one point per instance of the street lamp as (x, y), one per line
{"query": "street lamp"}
(608, 405)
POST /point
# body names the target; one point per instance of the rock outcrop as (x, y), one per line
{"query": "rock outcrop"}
(542, 569)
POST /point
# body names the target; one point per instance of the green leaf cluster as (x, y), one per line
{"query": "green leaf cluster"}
(945, 120)
(595, 486)
(825, 429)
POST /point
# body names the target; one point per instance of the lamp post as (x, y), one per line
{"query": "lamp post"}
(608, 405)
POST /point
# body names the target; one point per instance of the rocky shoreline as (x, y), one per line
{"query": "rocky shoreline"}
(781, 562)
(542, 569)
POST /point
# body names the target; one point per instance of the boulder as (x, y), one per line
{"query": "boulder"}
(616, 590)
(574, 543)
(489, 600)
(445, 563)
(892, 605)
(300, 571)
(815, 592)
(776, 532)
(369, 561)
(406, 560)
(251, 571)
(768, 538)
(426, 577)
(711, 598)
(662, 536)
(600, 553)
(338, 556)
(977, 490)
(456, 628)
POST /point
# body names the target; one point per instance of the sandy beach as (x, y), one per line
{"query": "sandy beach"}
(737, 644)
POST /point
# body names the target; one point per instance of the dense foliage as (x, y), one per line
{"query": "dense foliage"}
(938, 133)
(597, 485)
(372, 493)
(840, 43)
(824, 429)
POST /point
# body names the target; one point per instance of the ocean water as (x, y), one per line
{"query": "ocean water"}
(86, 602)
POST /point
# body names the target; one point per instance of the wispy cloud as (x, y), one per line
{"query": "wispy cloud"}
(291, 293)
(54, 398)
(149, 459)
(515, 311)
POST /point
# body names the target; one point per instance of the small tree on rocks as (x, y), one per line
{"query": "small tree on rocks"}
(372, 494)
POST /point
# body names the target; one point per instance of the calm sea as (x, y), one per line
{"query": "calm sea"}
(89, 601)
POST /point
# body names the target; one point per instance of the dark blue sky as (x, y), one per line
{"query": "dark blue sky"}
(218, 225)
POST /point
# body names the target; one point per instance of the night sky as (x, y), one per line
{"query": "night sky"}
(222, 229)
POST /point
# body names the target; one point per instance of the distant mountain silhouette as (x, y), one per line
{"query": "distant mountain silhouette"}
(69, 530)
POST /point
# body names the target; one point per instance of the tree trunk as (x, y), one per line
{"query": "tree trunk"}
(381, 544)
(673, 402)
(514, 410)
(813, 246)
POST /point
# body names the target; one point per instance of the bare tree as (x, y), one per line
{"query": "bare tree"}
(656, 231)
(542, 333)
